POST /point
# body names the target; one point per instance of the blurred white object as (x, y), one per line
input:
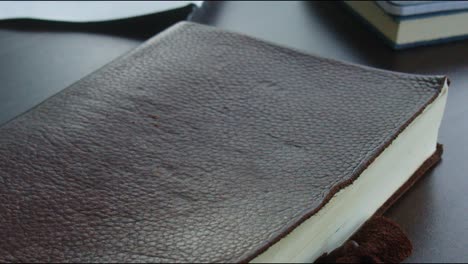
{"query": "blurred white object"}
(85, 11)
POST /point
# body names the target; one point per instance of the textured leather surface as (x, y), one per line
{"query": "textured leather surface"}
(200, 145)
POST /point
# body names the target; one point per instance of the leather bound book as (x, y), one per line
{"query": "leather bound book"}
(209, 146)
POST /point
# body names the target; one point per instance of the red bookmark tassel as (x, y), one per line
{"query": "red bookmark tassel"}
(379, 240)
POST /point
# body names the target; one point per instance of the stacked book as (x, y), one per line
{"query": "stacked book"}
(405, 24)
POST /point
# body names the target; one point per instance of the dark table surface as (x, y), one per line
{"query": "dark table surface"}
(40, 60)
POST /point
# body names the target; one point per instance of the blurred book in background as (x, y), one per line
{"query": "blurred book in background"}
(405, 24)
(86, 11)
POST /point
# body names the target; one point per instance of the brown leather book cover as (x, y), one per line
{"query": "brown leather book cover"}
(200, 145)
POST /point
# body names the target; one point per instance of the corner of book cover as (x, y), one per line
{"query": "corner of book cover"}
(445, 80)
